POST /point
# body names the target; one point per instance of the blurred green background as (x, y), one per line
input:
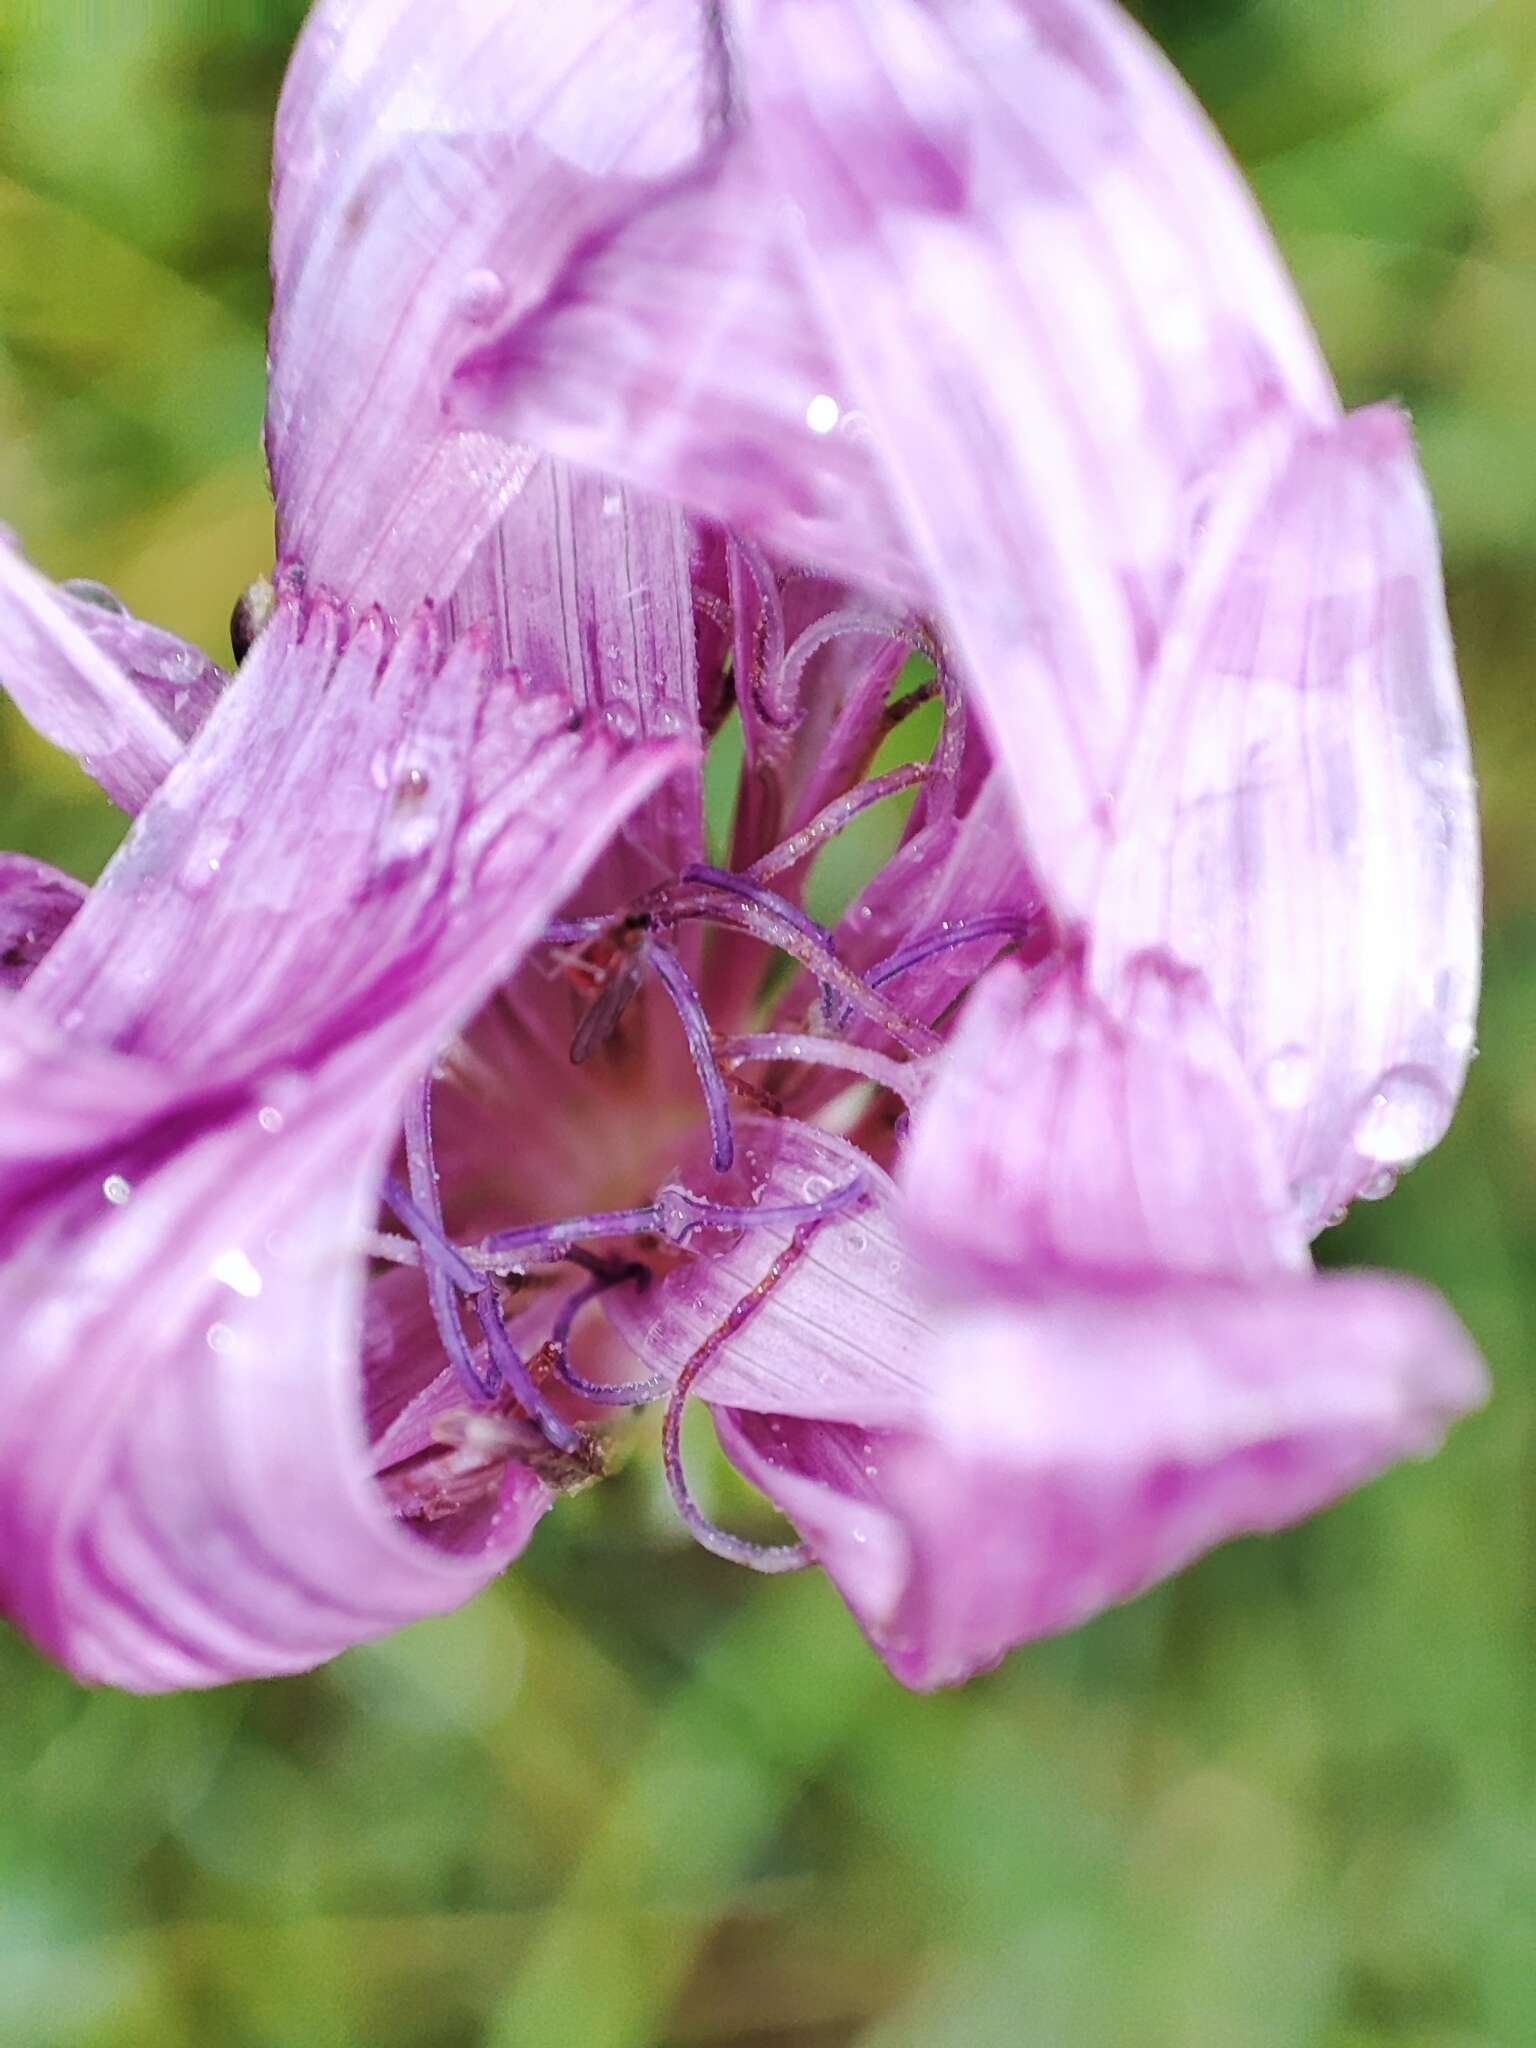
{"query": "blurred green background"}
(634, 1799)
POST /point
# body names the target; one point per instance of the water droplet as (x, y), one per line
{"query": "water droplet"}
(116, 1189)
(1403, 1116)
(220, 1338)
(1379, 1186)
(420, 791)
(91, 592)
(234, 1270)
(482, 295)
(817, 1187)
(823, 413)
(270, 1119)
(613, 504)
(859, 1535)
(675, 1213)
(871, 1471)
(1285, 1079)
(621, 720)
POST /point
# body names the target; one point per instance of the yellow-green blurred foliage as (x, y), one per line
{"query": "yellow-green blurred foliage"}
(631, 1798)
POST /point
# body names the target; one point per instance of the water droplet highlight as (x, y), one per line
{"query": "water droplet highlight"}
(235, 1271)
(1285, 1079)
(823, 413)
(116, 1189)
(1403, 1116)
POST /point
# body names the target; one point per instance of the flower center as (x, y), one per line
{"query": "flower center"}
(537, 1408)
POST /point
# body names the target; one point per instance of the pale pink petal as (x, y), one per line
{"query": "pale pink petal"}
(586, 588)
(1083, 1447)
(178, 679)
(845, 1333)
(74, 693)
(36, 903)
(1060, 1143)
(680, 350)
(186, 1486)
(1051, 294)
(1019, 281)
(1299, 819)
(436, 162)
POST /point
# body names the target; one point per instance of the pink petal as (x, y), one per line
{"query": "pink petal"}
(175, 677)
(1049, 290)
(586, 587)
(186, 1488)
(36, 903)
(436, 161)
(1060, 1143)
(844, 1334)
(1299, 818)
(1084, 1447)
(75, 694)
(1019, 281)
(681, 351)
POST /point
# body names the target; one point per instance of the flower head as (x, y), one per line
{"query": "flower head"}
(415, 1093)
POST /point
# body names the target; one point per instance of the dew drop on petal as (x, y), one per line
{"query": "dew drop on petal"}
(1285, 1079)
(92, 592)
(116, 1189)
(1403, 1116)
(823, 413)
(234, 1269)
(1379, 1186)
(270, 1119)
(220, 1338)
(675, 1213)
(482, 295)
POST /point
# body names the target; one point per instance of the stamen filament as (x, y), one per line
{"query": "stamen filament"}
(902, 1077)
(430, 1237)
(841, 625)
(675, 1215)
(746, 914)
(441, 1295)
(607, 1393)
(758, 1557)
(673, 976)
(513, 1372)
(832, 817)
(961, 931)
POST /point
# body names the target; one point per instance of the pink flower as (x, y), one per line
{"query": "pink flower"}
(626, 364)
